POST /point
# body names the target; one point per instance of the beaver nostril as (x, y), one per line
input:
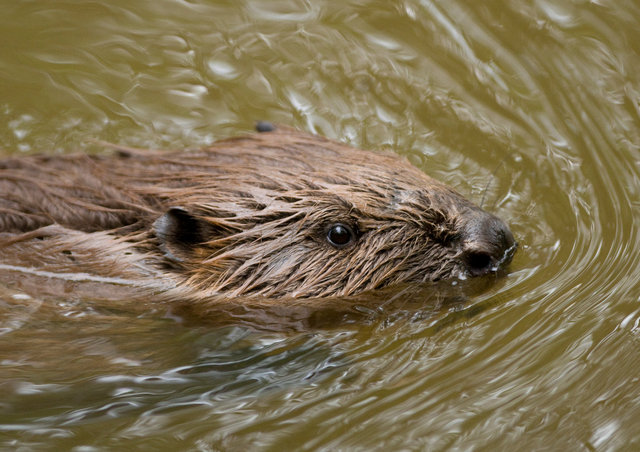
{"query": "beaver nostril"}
(479, 262)
(488, 244)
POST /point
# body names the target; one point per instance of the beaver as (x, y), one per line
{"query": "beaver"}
(275, 214)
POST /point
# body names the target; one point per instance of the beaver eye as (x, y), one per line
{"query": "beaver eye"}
(340, 235)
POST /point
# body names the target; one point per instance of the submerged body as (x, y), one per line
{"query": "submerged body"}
(275, 214)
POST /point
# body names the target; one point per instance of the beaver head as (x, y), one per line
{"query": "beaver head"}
(276, 214)
(298, 215)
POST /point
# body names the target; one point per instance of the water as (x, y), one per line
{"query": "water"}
(530, 107)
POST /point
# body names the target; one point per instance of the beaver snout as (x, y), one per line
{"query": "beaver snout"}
(487, 244)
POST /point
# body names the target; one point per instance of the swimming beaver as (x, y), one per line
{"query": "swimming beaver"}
(276, 214)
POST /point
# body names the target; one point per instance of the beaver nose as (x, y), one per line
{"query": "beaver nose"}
(487, 243)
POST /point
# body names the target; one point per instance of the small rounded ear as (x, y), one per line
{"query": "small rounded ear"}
(179, 232)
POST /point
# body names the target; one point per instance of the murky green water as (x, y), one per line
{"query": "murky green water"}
(537, 100)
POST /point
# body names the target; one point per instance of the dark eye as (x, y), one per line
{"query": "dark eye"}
(340, 235)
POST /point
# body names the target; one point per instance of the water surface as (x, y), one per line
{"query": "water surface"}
(531, 108)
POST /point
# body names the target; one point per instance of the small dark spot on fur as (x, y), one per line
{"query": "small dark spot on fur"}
(69, 254)
(264, 126)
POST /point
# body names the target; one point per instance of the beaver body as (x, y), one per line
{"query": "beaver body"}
(275, 214)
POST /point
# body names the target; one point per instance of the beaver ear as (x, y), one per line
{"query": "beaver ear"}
(179, 232)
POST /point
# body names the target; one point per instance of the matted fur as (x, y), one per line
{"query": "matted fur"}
(260, 207)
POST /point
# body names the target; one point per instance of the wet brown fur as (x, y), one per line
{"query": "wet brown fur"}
(258, 209)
